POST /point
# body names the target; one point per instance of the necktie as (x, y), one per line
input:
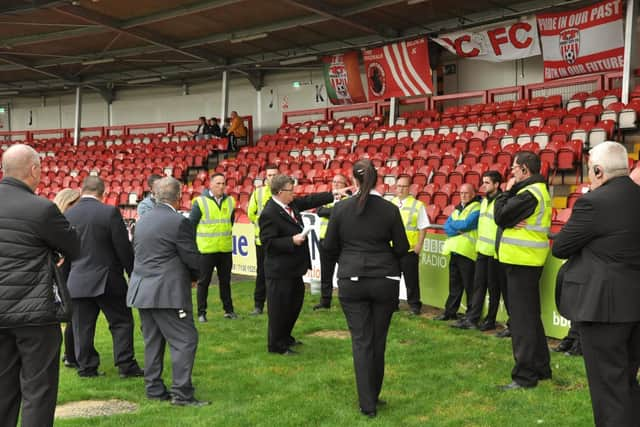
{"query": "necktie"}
(290, 212)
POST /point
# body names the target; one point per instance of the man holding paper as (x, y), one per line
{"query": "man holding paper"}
(286, 259)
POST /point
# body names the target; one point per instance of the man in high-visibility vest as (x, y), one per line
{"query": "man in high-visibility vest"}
(488, 274)
(462, 231)
(328, 262)
(415, 220)
(257, 202)
(523, 215)
(212, 214)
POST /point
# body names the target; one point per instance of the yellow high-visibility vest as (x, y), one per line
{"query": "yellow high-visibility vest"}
(529, 245)
(214, 231)
(324, 222)
(257, 202)
(465, 243)
(487, 229)
(409, 212)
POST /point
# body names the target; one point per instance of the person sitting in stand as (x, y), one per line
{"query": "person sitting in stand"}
(202, 131)
(214, 127)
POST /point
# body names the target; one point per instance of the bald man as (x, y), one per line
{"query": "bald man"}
(462, 231)
(32, 229)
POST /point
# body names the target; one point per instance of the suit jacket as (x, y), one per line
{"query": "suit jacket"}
(363, 242)
(166, 261)
(105, 252)
(283, 259)
(601, 281)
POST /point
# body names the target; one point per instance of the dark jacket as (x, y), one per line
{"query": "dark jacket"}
(31, 228)
(166, 261)
(363, 242)
(106, 251)
(510, 207)
(601, 280)
(283, 259)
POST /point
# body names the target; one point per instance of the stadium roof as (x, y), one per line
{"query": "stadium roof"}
(47, 46)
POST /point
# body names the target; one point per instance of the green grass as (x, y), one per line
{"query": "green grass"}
(435, 376)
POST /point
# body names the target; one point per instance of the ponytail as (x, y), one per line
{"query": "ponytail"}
(367, 177)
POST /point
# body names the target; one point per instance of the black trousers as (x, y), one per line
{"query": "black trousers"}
(528, 340)
(611, 356)
(327, 268)
(409, 267)
(120, 319)
(461, 271)
(69, 348)
(29, 372)
(222, 262)
(487, 277)
(368, 305)
(284, 302)
(159, 327)
(260, 293)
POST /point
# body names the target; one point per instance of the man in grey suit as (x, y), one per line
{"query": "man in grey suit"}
(166, 262)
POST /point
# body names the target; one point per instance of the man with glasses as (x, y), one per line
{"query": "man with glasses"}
(415, 220)
(462, 231)
(523, 215)
(327, 262)
(286, 259)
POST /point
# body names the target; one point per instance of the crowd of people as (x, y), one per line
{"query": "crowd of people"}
(233, 128)
(497, 243)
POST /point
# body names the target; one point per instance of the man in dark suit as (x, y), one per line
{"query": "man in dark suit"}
(601, 284)
(96, 281)
(166, 262)
(32, 228)
(286, 258)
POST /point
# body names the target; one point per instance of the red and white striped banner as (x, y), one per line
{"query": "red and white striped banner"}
(398, 69)
(584, 41)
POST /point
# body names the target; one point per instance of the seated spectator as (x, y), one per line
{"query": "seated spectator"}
(214, 127)
(202, 131)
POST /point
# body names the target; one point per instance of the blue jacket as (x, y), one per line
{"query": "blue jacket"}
(453, 228)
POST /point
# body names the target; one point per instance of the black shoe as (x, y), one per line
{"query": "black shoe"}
(230, 315)
(321, 306)
(564, 345)
(162, 397)
(487, 326)
(256, 311)
(445, 316)
(505, 333)
(513, 386)
(91, 374)
(545, 377)
(295, 343)
(464, 324)
(416, 311)
(132, 373)
(189, 402)
(370, 414)
(69, 363)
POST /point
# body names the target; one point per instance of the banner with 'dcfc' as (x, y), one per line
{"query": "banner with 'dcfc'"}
(398, 69)
(504, 42)
(583, 41)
